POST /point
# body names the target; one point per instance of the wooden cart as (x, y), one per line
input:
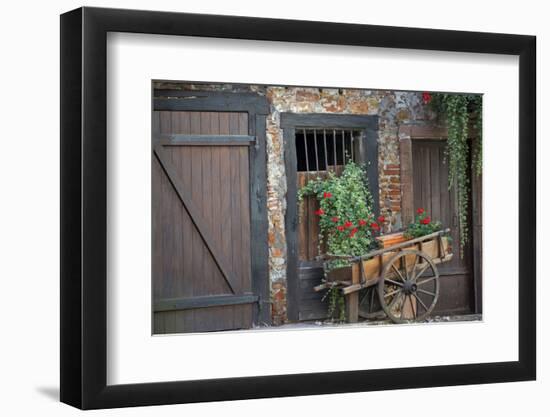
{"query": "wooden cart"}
(404, 275)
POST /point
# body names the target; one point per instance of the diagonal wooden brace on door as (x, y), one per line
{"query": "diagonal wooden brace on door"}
(198, 221)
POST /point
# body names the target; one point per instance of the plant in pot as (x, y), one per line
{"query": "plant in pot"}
(424, 225)
(347, 223)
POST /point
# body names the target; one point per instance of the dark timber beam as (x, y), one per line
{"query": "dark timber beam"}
(188, 303)
(206, 140)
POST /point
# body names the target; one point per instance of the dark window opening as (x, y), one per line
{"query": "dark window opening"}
(325, 149)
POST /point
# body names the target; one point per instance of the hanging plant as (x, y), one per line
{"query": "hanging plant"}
(463, 114)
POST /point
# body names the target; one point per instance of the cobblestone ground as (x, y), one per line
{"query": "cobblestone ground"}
(433, 319)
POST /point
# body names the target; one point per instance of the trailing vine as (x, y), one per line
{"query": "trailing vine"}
(463, 114)
(337, 304)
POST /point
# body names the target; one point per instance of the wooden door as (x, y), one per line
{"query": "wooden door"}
(201, 222)
(431, 192)
(315, 144)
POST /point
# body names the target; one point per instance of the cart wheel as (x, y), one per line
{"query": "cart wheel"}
(369, 306)
(409, 286)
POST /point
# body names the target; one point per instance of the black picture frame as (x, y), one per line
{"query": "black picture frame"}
(84, 207)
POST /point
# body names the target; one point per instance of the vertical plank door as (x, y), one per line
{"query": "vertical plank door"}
(431, 192)
(201, 262)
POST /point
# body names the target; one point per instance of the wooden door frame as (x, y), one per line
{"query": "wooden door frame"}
(409, 133)
(257, 108)
(368, 124)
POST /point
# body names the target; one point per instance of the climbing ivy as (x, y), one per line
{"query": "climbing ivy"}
(463, 114)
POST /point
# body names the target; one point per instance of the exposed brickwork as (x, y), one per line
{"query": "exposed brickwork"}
(393, 108)
(278, 302)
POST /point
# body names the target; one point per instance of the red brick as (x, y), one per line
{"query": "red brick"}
(391, 172)
(271, 238)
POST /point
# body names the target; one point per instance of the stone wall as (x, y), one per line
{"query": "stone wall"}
(394, 109)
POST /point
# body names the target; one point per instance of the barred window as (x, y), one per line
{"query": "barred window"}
(325, 149)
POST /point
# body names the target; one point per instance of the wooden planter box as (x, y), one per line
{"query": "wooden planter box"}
(373, 267)
(391, 239)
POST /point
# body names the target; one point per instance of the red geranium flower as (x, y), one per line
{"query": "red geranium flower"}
(427, 220)
(348, 224)
(375, 226)
(341, 228)
(335, 219)
(327, 195)
(426, 98)
(381, 219)
(420, 211)
(362, 222)
(353, 231)
(320, 212)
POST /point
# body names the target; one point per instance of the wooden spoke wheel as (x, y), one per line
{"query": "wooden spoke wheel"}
(409, 286)
(369, 306)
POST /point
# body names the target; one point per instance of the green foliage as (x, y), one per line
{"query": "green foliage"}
(345, 216)
(337, 304)
(463, 113)
(422, 225)
(346, 221)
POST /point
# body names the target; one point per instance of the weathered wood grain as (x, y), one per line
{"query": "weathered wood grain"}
(431, 191)
(201, 221)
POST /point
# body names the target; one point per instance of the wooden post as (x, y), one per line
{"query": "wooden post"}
(352, 300)
(407, 194)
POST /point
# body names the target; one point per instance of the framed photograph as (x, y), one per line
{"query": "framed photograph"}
(256, 208)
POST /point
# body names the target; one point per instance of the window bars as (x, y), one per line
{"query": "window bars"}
(325, 149)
